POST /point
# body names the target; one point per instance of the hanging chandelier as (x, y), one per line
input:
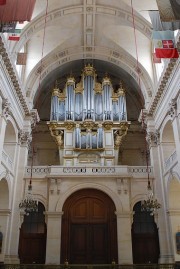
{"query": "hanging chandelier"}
(151, 204)
(28, 204)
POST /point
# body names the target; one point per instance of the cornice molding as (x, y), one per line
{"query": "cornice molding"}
(12, 75)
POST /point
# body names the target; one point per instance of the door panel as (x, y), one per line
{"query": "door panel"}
(32, 249)
(98, 241)
(89, 243)
(145, 248)
(79, 243)
(89, 228)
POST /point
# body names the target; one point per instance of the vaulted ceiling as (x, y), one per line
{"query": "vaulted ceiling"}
(115, 36)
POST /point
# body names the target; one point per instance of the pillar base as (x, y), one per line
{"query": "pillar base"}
(166, 259)
(11, 259)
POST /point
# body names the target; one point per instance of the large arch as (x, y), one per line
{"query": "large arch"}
(113, 195)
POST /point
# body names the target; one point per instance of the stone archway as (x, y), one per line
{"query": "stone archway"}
(89, 228)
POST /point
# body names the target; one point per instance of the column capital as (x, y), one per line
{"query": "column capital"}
(152, 138)
(6, 110)
(24, 138)
(173, 108)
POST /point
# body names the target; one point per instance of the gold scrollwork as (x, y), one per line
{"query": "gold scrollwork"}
(79, 87)
(108, 125)
(98, 88)
(88, 124)
(70, 81)
(106, 80)
(89, 70)
(69, 125)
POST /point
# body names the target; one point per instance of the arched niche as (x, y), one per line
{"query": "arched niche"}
(10, 141)
(167, 141)
(4, 194)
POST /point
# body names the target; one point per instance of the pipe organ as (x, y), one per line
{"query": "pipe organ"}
(88, 119)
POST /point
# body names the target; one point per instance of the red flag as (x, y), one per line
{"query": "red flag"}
(14, 38)
(2, 2)
(16, 10)
(166, 53)
(155, 59)
(165, 44)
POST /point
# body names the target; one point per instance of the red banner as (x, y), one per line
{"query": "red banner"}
(14, 38)
(16, 10)
(167, 53)
(2, 2)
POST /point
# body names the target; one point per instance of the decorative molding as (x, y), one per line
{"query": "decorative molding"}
(58, 136)
(6, 110)
(54, 185)
(172, 108)
(122, 185)
(24, 138)
(13, 77)
(153, 138)
(5, 212)
(34, 117)
(54, 214)
(163, 84)
(120, 134)
(126, 214)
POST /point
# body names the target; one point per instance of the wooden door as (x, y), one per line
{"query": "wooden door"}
(32, 241)
(32, 248)
(89, 243)
(145, 241)
(89, 228)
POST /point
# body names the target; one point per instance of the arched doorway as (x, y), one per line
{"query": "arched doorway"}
(145, 240)
(89, 228)
(32, 241)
